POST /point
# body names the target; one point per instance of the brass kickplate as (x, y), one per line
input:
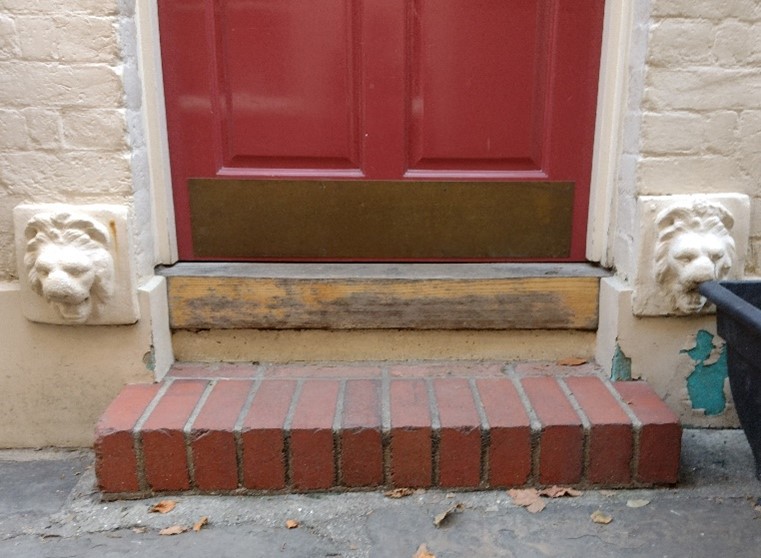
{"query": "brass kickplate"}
(379, 220)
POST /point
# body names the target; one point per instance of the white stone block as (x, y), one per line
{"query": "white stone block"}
(75, 264)
(684, 240)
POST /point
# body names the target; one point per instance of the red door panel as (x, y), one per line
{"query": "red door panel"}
(475, 84)
(283, 109)
(409, 90)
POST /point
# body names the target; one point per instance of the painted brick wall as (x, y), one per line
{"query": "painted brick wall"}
(63, 131)
(701, 109)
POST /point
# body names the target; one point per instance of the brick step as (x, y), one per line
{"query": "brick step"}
(233, 428)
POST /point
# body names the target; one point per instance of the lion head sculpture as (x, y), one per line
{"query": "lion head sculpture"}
(68, 263)
(694, 245)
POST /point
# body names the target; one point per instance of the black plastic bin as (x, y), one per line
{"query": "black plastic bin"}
(738, 318)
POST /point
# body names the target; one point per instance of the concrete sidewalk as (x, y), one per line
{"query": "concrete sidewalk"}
(48, 508)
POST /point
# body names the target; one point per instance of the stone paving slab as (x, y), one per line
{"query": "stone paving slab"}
(711, 513)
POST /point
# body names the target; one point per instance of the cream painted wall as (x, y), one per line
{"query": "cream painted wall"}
(55, 381)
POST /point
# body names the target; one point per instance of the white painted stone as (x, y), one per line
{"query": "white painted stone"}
(75, 264)
(707, 9)
(101, 130)
(684, 240)
(68, 38)
(676, 43)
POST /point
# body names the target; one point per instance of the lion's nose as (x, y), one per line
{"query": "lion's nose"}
(59, 286)
(703, 269)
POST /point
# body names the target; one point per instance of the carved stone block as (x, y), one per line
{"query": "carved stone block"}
(683, 241)
(75, 264)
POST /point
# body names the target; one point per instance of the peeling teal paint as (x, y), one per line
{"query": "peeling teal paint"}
(705, 385)
(149, 359)
(621, 366)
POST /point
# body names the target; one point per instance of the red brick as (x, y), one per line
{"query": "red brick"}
(660, 439)
(447, 370)
(509, 433)
(115, 459)
(610, 438)
(262, 436)
(411, 447)
(312, 464)
(212, 437)
(562, 439)
(361, 440)
(460, 436)
(544, 368)
(166, 464)
(213, 370)
(323, 372)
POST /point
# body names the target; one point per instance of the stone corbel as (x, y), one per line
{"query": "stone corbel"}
(75, 264)
(685, 240)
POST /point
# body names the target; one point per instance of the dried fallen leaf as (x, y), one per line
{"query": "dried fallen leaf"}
(559, 492)
(399, 493)
(536, 507)
(442, 517)
(139, 530)
(422, 552)
(527, 498)
(165, 506)
(198, 525)
(524, 496)
(637, 503)
(601, 518)
(571, 361)
(173, 530)
(291, 524)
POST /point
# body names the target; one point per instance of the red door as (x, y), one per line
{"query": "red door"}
(313, 100)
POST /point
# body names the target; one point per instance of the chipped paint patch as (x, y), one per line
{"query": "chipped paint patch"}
(705, 385)
(621, 366)
(149, 359)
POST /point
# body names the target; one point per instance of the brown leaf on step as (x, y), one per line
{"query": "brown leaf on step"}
(601, 518)
(536, 507)
(165, 506)
(198, 525)
(443, 516)
(291, 524)
(571, 361)
(399, 493)
(139, 530)
(422, 552)
(173, 530)
(559, 492)
(524, 497)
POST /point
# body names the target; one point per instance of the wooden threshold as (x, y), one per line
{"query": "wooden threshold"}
(383, 296)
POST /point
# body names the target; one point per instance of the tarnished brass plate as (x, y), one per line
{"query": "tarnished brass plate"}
(379, 221)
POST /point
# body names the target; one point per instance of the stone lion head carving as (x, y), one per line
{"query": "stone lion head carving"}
(68, 263)
(694, 245)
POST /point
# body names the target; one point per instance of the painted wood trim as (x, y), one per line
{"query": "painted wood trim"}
(197, 302)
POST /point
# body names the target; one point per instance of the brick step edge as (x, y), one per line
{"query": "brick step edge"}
(300, 435)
